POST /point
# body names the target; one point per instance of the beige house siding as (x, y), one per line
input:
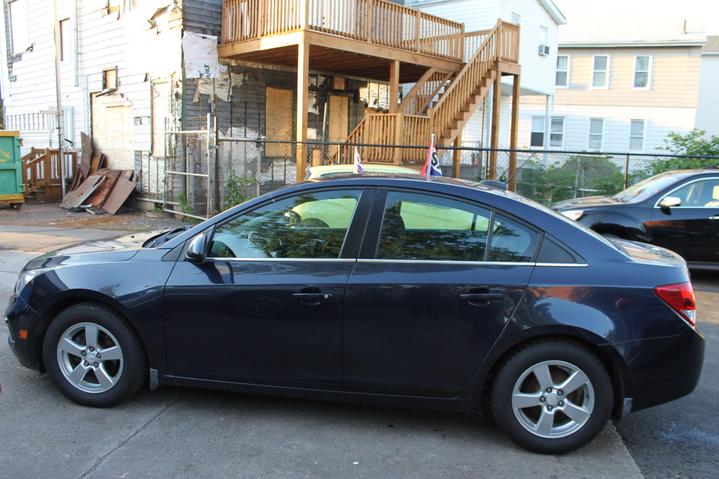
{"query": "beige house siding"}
(674, 79)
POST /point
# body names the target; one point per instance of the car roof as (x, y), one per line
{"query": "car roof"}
(367, 166)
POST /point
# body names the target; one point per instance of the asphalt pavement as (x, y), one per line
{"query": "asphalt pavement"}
(177, 432)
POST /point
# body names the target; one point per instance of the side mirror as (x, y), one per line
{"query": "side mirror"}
(197, 249)
(670, 202)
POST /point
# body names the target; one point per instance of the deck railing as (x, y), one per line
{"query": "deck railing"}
(375, 21)
(497, 45)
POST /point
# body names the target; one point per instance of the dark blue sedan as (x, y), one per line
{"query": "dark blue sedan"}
(438, 293)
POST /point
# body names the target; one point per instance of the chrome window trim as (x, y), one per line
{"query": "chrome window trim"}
(656, 204)
(296, 260)
(472, 263)
(403, 261)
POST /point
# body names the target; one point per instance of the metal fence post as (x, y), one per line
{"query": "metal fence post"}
(626, 172)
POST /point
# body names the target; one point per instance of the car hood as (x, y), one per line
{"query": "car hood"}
(587, 202)
(110, 250)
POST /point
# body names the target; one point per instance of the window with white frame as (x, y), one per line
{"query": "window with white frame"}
(18, 25)
(536, 138)
(642, 71)
(636, 135)
(556, 132)
(515, 18)
(543, 35)
(562, 77)
(600, 71)
(596, 133)
(65, 40)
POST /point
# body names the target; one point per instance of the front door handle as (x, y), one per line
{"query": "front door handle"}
(714, 218)
(311, 296)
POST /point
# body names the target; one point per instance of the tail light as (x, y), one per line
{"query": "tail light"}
(680, 297)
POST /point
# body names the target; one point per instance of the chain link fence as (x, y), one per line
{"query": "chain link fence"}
(202, 174)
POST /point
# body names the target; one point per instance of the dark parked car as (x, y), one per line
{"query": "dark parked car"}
(678, 210)
(438, 293)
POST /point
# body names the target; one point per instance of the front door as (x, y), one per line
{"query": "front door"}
(265, 308)
(692, 228)
(428, 297)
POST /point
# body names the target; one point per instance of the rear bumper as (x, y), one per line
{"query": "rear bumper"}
(662, 369)
(20, 315)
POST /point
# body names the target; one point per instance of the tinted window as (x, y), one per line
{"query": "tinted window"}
(645, 189)
(552, 252)
(699, 194)
(426, 227)
(511, 241)
(310, 225)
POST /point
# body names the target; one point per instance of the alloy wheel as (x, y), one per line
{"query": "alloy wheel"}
(553, 399)
(90, 357)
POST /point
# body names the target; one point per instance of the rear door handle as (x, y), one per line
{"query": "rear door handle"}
(714, 218)
(477, 297)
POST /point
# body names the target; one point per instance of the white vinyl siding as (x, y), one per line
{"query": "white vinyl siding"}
(556, 132)
(600, 71)
(562, 75)
(596, 134)
(642, 71)
(636, 135)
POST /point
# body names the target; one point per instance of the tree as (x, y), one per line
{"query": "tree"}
(694, 145)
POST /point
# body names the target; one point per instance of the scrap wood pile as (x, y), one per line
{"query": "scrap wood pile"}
(97, 189)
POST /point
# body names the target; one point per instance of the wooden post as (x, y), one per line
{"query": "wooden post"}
(304, 13)
(398, 135)
(514, 130)
(303, 67)
(457, 156)
(496, 98)
(394, 86)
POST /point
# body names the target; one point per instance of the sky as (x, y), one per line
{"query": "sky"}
(627, 20)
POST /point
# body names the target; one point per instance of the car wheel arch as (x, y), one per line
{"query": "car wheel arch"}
(608, 355)
(75, 297)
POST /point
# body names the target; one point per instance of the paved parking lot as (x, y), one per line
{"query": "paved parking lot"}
(177, 432)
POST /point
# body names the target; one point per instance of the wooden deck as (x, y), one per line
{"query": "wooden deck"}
(349, 37)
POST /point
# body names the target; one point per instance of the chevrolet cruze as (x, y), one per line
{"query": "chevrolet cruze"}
(395, 290)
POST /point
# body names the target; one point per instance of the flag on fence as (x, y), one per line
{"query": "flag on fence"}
(431, 165)
(357, 169)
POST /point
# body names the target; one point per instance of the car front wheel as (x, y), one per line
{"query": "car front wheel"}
(552, 397)
(93, 356)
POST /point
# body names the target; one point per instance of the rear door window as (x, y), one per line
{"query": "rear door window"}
(424, 227)
(511, 241)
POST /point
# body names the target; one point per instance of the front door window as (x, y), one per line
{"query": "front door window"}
(310, 225)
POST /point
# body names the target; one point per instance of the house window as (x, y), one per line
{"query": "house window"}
(515, 18)
(556, 132)
(18, 25)
(596, 133)
(65, 40)
(636, 135)
(642, 71)
(537, 136)
(562, 77)
(600, 72)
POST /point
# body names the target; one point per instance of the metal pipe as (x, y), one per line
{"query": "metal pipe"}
(58, 97)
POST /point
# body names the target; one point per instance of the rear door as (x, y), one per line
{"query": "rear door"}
(428, 298)
(692, 228)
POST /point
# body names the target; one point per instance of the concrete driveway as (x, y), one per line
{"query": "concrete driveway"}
(178, 432)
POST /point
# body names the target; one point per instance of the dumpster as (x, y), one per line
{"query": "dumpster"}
(11, 189)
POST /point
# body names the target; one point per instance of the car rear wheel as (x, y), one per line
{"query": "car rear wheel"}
(552, 397)
(93, 356)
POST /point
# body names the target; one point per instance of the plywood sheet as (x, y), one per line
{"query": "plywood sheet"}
(97, 199)
(77, 197)
(119, 194)
(339, 118)
(278, 121)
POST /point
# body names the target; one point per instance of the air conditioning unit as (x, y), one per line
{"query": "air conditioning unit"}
(544, 50)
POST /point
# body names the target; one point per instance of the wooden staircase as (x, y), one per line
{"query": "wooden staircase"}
(439, 103)
(41, 173)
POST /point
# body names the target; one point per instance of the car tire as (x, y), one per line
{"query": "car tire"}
(73, 349)
(530, 403)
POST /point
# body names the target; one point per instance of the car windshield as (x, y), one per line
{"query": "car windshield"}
(645, 189)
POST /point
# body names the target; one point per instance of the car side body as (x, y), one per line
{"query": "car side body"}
(692, 230)
(430, 352)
